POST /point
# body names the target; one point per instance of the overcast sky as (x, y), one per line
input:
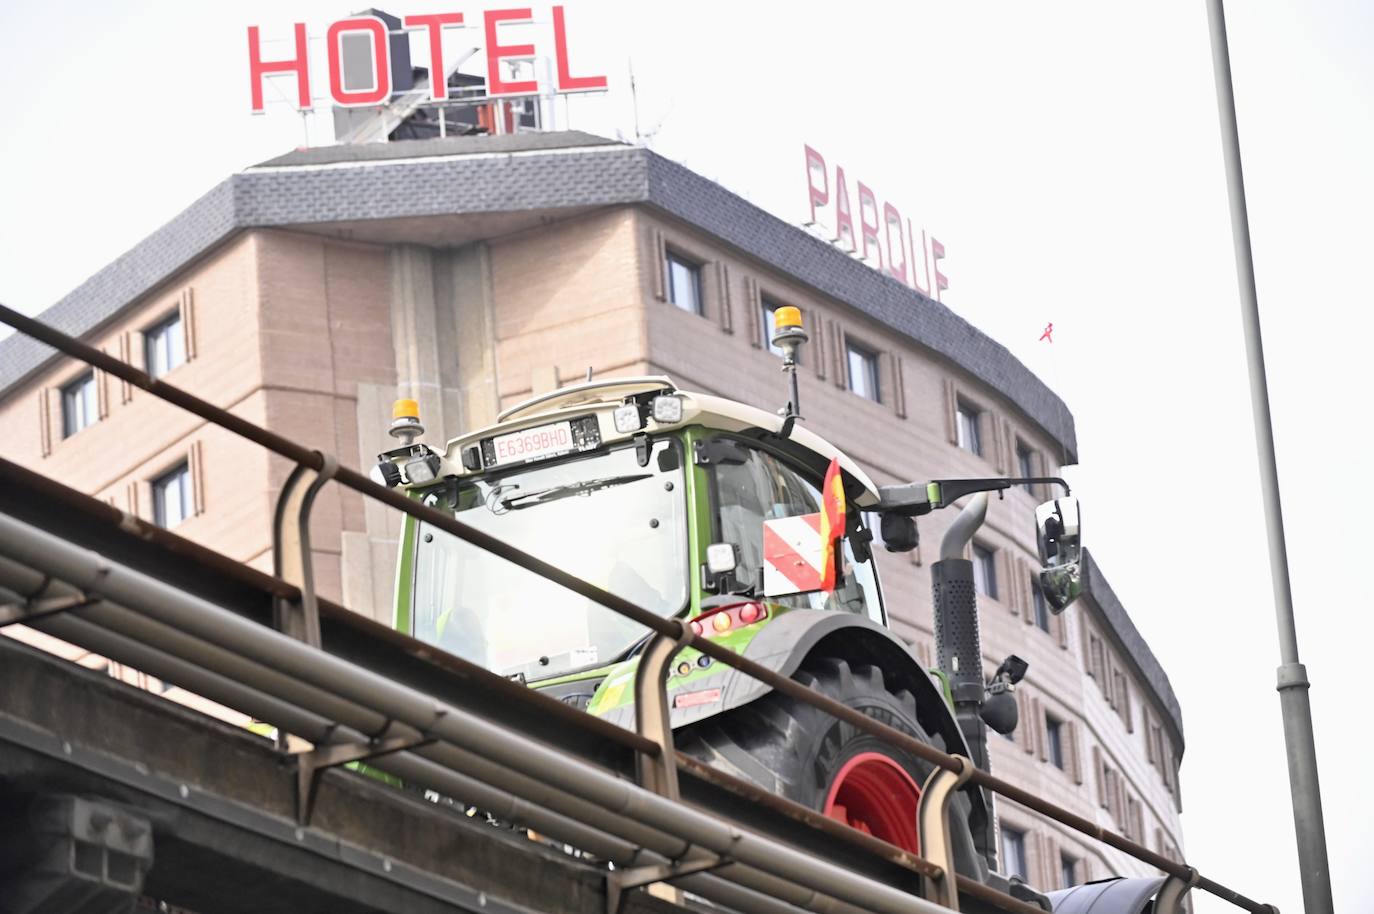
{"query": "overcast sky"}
(1066, 154)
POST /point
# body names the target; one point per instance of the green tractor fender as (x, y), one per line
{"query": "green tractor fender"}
(783, 644)
(786, 642)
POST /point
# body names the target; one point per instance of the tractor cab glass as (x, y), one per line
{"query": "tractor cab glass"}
(603, 518)
(757, 487)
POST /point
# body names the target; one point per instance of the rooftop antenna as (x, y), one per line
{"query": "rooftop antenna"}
(634, 99)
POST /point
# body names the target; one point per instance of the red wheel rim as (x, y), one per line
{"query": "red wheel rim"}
(875, 795)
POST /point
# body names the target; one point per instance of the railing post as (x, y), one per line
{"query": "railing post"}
(654, 722)
(653, 717)
(932, 823)
(1171, 894)
(291, 557)
(291, 549)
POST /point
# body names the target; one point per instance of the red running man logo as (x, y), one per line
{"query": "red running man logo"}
(1049, 328)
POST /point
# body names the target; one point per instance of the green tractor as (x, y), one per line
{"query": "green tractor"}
(705, 509)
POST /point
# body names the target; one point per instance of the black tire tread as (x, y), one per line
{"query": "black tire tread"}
(771, 741)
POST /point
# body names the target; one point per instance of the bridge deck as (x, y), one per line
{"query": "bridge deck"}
(221, 801)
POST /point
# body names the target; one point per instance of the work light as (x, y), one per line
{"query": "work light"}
(422, 469)
(627, 418)
(722, 557)
(667, 409)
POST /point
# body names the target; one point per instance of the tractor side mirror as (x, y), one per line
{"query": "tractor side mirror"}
(1061, 585)
(1058, 536)
(899, 533)
(1057, 531)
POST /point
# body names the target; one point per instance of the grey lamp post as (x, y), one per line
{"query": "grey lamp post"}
(1292, 675)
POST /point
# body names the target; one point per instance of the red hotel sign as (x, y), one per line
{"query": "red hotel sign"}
(432, 25)
(879, 231)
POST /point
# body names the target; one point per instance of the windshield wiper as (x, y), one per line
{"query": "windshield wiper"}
(553, 493)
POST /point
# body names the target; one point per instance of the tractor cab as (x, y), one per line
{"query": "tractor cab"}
(686, 504)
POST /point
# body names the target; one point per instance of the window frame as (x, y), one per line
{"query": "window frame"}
(964, 407)
(869, 356)
(179, 474)
(73, 394)
(1025, 464)
(1040, 608)
(768, 306)
(1097, 662)
(1068, 870)
(1006, 832)
(671, 257)
(161, 330)
(981, 553)
(1054, 742)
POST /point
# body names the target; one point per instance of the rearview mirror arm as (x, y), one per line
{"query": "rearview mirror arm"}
(915, 499)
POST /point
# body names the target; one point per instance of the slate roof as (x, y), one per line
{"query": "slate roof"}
(1133, 643)
(526, 172)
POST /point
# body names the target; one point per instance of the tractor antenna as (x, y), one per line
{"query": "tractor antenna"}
(788, 335)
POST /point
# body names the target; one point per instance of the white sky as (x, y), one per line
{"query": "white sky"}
(1067, 154)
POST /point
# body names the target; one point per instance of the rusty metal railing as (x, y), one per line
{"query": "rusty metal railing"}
(934, 865)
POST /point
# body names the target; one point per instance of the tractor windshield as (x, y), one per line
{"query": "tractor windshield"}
(603, 518)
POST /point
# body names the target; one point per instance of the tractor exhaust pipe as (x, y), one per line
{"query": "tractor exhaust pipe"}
(957, 641)
(957, 537)
(958, 644)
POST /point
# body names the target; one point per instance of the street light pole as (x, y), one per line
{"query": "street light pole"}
(1293, 684)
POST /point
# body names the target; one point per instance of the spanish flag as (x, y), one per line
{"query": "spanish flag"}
(832, 523)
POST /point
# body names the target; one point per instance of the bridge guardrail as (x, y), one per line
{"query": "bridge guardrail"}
(656, 772)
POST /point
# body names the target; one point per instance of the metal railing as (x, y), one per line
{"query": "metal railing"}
(409, 745)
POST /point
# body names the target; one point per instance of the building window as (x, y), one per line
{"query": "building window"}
(1025, 465)
(770, 308)
(863, 371)
(1042, 609)
(79, 406)
(1013, 852)
(984, 571)
(1123, 701)
(684, 283)
(1097, 663)
(969, 439)
(164, 346)
(1068, 871)
(172, 496)
(1054, 741)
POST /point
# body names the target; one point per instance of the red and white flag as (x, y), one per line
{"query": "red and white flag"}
(792, 555)
(799, 553)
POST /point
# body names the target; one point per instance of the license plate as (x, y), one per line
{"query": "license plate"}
(533, 443)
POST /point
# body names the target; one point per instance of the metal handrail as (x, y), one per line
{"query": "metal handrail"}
(669, 628)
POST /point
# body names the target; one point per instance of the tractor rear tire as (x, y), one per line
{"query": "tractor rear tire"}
(799, 752)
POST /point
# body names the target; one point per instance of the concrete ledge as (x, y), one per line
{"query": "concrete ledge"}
(221, 801)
